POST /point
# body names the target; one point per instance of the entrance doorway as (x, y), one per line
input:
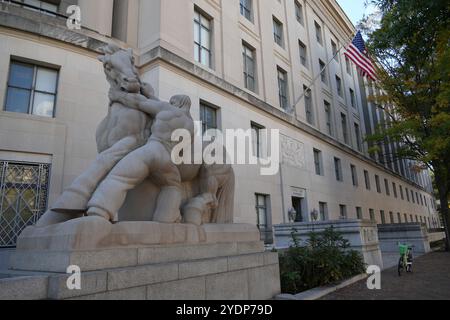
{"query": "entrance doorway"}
(297, 204)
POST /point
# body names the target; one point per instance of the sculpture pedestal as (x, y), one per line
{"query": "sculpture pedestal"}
(362, 236)
(149, 260)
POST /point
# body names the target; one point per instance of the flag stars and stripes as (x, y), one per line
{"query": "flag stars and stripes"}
(357, 52)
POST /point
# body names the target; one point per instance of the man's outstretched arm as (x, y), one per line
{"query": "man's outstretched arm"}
(138, 101)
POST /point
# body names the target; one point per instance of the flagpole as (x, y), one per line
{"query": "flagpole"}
(308, 88)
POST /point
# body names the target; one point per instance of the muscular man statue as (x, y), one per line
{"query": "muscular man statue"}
(152, 160)
(123, 130)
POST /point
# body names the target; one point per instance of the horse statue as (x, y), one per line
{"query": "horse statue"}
(208, 190)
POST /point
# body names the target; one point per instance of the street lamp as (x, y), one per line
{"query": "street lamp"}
(315, 215)
(292, 214)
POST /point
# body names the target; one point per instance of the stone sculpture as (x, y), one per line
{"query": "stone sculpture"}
(134, 144)
(136, 222)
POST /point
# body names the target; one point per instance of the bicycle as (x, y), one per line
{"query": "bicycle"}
(406, 259)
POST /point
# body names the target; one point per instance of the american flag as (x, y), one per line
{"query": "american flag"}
(357, 52)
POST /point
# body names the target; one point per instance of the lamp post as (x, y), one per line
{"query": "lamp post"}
(292, 214)
(315, 215)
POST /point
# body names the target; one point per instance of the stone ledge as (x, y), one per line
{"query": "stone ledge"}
(141, 276)
(251, 284)
(24, 288)
(57, 262)
(318, 293)
(245, 262)
(202, 267)
(55, 28)
(163, 254)
(93, 233)
(138, 293)
(228, 286)
(259, 287)
(193, 288)
(252, 276)
(92, 283)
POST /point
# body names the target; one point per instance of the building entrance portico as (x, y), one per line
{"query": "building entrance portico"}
(299, 204)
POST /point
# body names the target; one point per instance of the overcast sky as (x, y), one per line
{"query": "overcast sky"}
(355, 9)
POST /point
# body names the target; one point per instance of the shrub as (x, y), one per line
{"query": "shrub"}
(325, 258)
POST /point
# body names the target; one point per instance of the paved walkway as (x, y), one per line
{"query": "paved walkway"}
(429, 281)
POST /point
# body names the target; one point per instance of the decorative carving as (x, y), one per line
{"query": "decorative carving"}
(292, 152)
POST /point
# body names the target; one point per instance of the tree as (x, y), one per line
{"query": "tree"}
(411, 45)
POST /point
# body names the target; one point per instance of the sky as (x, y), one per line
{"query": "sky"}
(355, 9)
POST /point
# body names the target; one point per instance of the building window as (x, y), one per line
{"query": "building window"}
(23, 198)
(299, 12)
(372, 215)
(352, 98)
(359, 214)
(257, 140)
(358, 137)
(367, 179)
(303, 54)
(383, 217)
(323, 71)
(343, 212)
(411, 218)
(338, 169)
(308, 105)
(386, 186)
(278, 32)
(323, 211)
(348, 65)
(202, 39)
(334, 50)
(391, 217)
(344, 128)
(412, 197)
(399, 217)
(417, 197)
(248, 55)
(354, 175)
(378, 184)
(208, 117)
(31, 89)
(339, 86)
(328, 118)
(401, 193)
(283, 89)
(262, 214)
(394, 189)
(319, 36)
(407, 194)
(41, 6)
(318, 162)
(247, 9)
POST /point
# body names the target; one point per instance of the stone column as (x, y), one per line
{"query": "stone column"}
(97, 15)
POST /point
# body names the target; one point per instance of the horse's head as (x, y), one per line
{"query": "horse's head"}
(119, 68)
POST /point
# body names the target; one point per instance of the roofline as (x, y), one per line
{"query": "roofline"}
(340, 15)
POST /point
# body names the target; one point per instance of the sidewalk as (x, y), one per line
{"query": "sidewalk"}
(429, 281)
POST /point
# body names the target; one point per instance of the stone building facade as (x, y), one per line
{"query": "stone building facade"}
(243, 63)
